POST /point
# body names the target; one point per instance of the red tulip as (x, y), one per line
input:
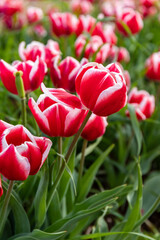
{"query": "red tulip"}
(40, 30)
(33, 74)
(148, 3)
(103, 53)
(120, 53)
(21, 153)
(101, 89)
(35, 48)
(10, 7)
(153, 67)
(143, 102)
(63, 23)
(57, 112)
(131, 18)
(95, 128)
(34, 14)
(64, 74)
(1, 189)
(85, 24)
(81, 6)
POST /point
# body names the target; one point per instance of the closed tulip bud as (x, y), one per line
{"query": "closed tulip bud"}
(40, 30)
(101, 89)
(153, 67)
(121, 54)
(143, 103)
(95, 128)
(64, 74)
(131, 19)
(21, 153)
(81, 6)
(63, 23)
(34, 14)
(57, 112)
(85, 24)
(33, 74)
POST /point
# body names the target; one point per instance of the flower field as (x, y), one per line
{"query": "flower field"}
(79, 119)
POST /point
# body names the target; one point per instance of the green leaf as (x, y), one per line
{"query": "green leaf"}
(41, 197)
(136, 128)
(88, 178)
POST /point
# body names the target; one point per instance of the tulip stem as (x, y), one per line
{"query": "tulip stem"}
(60, 152)
(3, 214)
(84, 146)
(24, 112)
(67, 157)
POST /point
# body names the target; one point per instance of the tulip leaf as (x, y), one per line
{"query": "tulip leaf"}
(136, 128)
(88, 179)
(41, 197)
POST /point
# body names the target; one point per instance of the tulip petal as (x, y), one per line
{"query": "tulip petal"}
(45, 145)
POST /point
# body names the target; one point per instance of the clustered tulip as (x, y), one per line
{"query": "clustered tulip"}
(21, 153)
(95, 128)
(64, 74)
(143, 103)
(57, 112)
(99, 88)
(33, 74)
(153, 67)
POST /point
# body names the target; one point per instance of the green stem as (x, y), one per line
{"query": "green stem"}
(85, 142)
(24, 112)
(3, 215)
(70, 150)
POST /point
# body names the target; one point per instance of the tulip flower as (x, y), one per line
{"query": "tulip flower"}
(143, 103)
(57, 112)
(21, 153)
(63, 23)
(153, 67)
(131, 18)
(85, 24)
(33, 74)
(120, 53)
(34, 14)
(81, 6)
(94, 128)
(35, 48)
(10, 7)
(40, 30)
(64, 74)
(101, 89)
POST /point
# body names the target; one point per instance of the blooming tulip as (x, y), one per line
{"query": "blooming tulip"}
(143, 103)
(120, 53)
(94, 128)
(64, 74)
(21, 153)
(57, 112)
(153, 67)
(85, 24)
(63, 23)
(34, 14)
(101, 89)
(33, 74)
(132, 19)
(10, 7)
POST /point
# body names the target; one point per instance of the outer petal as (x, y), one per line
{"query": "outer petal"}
(44, 145)
(13, 166)
(35, 158)
(7, 76)
(21, 51)
(4, 126)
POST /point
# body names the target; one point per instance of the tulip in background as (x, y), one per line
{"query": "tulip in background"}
(121, 54)
(85, 24)
(45, 52)
(95, 128)
(33, 74)
(34, 14)
(63, 23)
(143, 103)
(102, 89)
(153, 67)
(81, 6)
(57, 112)
(21, 153)
(63, 75)
(131, 18)
(10, 7)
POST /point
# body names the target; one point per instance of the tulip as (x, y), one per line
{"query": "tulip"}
(10, 7)
(153, 67)
(101, 89)
(85, 24)
(35, 48)
(33, 74)
(40, 30)
(131, 18)
(120, 53)
(143, 103)
(21, 153)
(64, 74)
(57, 112)
(94, 128)
(81, 6)
(63, 23)
(34, 14)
